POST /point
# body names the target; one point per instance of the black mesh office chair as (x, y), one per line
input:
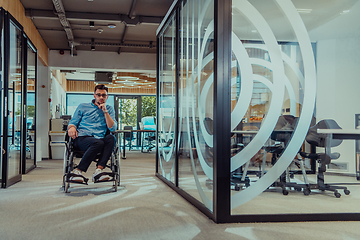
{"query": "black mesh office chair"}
(128, 136)
(324, 141)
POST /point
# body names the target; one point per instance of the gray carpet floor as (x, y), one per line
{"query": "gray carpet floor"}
(142, 208)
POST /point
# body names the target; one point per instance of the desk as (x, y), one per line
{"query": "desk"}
(130, 131)
(245, 131)
(346, 134)
(353, 134)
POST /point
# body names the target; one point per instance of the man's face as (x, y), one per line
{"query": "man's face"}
(100, 96)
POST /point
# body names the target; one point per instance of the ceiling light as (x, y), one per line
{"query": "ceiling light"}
(345, 11)
(304, 10)
(254, 31)
(111, 26)
(99, 30)
(127, 78)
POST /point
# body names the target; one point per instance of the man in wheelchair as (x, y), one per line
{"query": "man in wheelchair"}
(88, 127)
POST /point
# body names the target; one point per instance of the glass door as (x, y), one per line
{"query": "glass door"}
(12, 96)
(128, 112)
(29, 139)
(1, 93)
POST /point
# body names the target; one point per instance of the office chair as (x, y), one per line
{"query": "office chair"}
(323, 141)
(128, 136)
(281, 135)
(148, 123)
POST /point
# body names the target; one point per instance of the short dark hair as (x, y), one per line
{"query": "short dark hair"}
(101, 87)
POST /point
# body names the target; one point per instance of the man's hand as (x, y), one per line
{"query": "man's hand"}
(72, 132)
(102, 107)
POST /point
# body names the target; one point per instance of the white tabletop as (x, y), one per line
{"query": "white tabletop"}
(245, 132)
(339, 131)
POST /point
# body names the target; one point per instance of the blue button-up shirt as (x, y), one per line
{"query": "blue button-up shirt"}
(89, 120)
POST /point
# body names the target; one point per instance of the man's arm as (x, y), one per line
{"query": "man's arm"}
(109, 116)
(72, 131)
(108, 119)
(111, 122)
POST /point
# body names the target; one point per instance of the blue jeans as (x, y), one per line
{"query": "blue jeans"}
(92, 147)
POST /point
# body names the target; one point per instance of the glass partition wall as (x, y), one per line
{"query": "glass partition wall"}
(29, 123)
(166, 100)
(12, 100)
(18, 61)
(256, 114)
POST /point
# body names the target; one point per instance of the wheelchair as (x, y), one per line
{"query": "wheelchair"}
(70, 154)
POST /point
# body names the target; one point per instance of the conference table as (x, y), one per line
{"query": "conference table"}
(353, 134)
(142, 131)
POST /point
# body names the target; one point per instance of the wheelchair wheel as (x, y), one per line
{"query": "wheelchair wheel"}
(67, 186)
(115, 171)
(68, 167)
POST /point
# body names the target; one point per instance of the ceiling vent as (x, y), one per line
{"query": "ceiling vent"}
(103, 77)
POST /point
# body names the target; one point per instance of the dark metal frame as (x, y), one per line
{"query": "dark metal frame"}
(6, 20)
(222, 109)
(27, 43)
(5, 181)
(3, 165)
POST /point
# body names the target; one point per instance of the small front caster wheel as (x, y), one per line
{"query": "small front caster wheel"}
(337, 195)
(307, 191)
(347, 192)
(285, 192)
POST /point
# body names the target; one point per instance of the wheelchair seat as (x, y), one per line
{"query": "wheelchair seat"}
(71, 153)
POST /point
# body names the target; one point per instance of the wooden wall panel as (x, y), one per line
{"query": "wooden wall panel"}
(16, 9)
(88, 86)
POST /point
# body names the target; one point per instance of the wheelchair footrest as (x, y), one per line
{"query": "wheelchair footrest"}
(110, 174)
(69, 175)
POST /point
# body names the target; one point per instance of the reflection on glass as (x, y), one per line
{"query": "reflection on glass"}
(196, 100)
(166, 114)
(14, 102)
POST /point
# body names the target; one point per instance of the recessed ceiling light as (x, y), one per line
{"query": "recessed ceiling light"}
(345, 11)
(111, 26)
(127, 78)
(304, 10)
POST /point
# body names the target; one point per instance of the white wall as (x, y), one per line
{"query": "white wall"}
(338, 78)
(58, 96)
(338, 88)
(42, 112)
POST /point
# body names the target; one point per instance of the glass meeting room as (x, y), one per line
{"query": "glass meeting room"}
(266, 122)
